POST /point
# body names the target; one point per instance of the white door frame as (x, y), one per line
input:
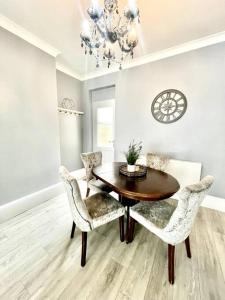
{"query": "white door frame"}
(102, 103)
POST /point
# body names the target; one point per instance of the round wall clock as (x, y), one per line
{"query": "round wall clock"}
(169, 106)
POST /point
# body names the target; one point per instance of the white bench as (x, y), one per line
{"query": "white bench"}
(186, 172)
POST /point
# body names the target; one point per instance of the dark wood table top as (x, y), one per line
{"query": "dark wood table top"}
(156, 185)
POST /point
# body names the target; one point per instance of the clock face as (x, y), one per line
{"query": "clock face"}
(169, 106)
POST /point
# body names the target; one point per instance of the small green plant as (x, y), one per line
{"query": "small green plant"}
(133, 152)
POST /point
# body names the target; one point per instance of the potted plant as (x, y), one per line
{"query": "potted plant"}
(132, 155)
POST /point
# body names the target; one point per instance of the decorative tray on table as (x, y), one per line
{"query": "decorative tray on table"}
(140, 171)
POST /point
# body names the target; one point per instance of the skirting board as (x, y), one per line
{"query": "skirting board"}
(214, 203)
(23, 204)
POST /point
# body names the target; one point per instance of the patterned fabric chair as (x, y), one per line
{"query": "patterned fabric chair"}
(91, 212)
(172, 223)
(90, 161)
(157, 161)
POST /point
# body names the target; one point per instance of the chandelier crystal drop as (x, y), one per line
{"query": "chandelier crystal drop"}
(110, 33)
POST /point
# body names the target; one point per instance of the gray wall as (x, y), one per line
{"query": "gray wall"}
(69, 87)
(198, 136)
(70, 125)
(29, 135)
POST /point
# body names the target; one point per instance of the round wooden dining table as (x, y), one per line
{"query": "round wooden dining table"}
(154, 186)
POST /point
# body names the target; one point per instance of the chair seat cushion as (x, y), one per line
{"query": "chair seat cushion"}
(158, 213)
(98, 186)
(103, 208)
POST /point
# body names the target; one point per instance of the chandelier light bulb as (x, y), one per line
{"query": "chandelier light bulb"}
(86, 31)
(95, 4)
(132, 11)
(95, 11)
(109, 50)
(132, 38)
(132, 5)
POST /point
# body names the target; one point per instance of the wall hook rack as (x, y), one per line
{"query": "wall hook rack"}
(70, 111)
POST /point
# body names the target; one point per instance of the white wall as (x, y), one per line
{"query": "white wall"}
(29, 131)
(198, 136)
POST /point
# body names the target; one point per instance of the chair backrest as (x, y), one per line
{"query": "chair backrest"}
(191, 197)
(78, 208)
(157, 161)
(90, 161)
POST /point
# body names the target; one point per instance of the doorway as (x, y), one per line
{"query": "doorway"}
(103, 113)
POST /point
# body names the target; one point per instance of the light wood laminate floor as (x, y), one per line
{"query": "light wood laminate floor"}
(39, 261)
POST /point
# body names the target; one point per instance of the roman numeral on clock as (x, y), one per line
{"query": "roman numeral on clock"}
(160, 116)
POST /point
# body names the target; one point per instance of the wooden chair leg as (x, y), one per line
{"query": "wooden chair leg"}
(121, 224)
(171, 254)
(73, 229)
(88, 192)
(84, 249)
(131, 229)
(188, 248)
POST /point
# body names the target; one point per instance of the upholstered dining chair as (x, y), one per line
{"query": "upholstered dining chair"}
(157, 161)
(91, 160)
(92, 212)
(171, 223)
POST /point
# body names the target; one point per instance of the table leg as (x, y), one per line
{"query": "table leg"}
(128, 224)
(131, 229)
(127, 203)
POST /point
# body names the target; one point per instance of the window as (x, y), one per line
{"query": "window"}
(105, 126)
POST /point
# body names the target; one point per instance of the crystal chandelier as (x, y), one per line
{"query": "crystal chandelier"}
(110, 32)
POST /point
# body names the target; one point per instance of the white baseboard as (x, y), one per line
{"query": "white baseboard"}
(214, 203)
(23, 204)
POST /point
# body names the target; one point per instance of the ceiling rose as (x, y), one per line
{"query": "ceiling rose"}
(110, 32)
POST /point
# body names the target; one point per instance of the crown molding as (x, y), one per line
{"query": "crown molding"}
(27, 36)
(66, 70)
(159, 55)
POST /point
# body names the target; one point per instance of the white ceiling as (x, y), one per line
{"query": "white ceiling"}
(164, 23)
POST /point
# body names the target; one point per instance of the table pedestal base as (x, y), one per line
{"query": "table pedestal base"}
(128, 203)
